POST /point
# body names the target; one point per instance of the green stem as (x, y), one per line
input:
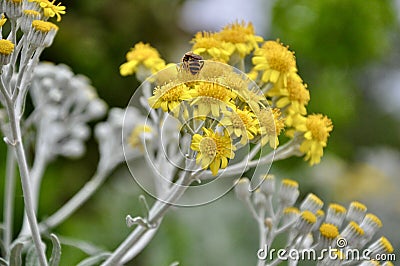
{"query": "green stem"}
(9, 199)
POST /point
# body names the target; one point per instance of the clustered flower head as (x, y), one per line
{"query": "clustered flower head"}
(65, 103)
(216, 114)
(30, 17)
(266, 104)
(308, 227)
(234, 41)
(143, 60)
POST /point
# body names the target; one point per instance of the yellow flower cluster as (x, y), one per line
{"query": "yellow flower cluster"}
(142, 57)
(50, 9)
(222, 101)
(234, 40)
(276, 71)
(255, 106)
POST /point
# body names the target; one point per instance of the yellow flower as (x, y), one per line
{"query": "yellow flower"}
(316, 128)
(214, 150)
(240, 37)
(212, 97)
(6, 47)
(142, 55)
(276, 63)
(3, 20)
(207, 45)
(240, 123)
(270, 126)
(136, 134)
(50, 9)
(169, 97)
(296, 96)
(253, 98)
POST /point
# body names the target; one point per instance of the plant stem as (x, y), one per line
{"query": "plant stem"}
(17, 144)
(263, 235)
(9, 200)
(156, 212)
(36, 175)
(26, 188)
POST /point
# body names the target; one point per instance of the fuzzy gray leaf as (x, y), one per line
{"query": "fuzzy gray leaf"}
(95, 259)
(15, 256)
(56, 252)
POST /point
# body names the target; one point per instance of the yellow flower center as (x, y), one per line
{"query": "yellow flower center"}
(337, 208)
(309, 217)
(205, 40)
(42, 26)
(291, 210)
(356, 228)
(329, 231)
(6, 47)
(208, 147)
(279, 57)
(317, 201)
(290, 183)
(358, 205)
(386, 244)
(237, 122)
(374, 219)
(320, 213)
(171, 94)
(297, 91)
(270, 121)
(320, 126)
(141, 52)
(214, 91)
(31, 13)
(236, 32)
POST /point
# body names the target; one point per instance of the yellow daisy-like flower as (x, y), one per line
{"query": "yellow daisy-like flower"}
(253, 98)
(240, 37)
(276, 62)
(296, 97)
(50, 9)
(212, 97)
(240, 123)
(135, 137)
(142, 55)
(270, 126)
(316, 128)
(214, 150)
(207, 45)
(6, 47)
(169, 97)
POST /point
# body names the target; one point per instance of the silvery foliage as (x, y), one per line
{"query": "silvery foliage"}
(114, 147)
(64, 103)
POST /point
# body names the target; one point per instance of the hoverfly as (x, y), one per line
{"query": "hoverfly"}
(192, 62)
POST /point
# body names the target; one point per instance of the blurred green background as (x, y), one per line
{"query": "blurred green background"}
(347, 52)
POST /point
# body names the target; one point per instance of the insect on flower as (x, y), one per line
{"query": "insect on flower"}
(192, 62)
